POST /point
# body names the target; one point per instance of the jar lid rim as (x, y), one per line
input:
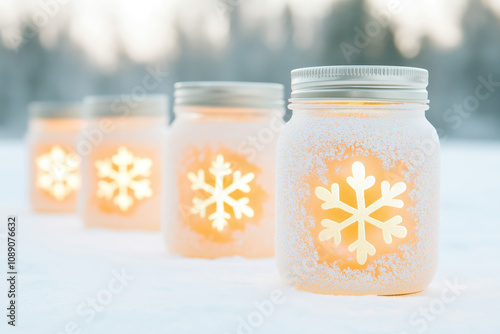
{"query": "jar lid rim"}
(238, 94)
(52, 109)
(228, 84)
(360, 82)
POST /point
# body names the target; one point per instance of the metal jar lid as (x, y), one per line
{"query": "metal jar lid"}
(125, 105)
(363, 83)
(55, 110)
(256, 95)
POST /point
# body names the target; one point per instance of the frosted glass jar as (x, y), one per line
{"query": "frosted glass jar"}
(121, 147)
(54, 173)
(221, 169)
(358, 173)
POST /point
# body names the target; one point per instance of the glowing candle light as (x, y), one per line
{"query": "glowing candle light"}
(54, 163)
(122, 162)
(220, 179)
(358, 182)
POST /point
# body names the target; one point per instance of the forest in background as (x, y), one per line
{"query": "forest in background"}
(63, 72)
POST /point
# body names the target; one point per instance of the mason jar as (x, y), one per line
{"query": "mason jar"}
(54, 173)
(121, 149)
(358, 172)
(220, 169)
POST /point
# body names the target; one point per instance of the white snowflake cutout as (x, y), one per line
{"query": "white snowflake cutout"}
(220, 195)
(361, 214)
(58, 172)
(123, 169)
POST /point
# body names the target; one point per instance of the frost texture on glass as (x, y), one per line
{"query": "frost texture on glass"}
(214, 167)
(391, 243)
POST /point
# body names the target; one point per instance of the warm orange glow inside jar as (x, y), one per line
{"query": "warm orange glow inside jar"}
(358, 182)
(220, 176)
(121, 147)
(54, 174)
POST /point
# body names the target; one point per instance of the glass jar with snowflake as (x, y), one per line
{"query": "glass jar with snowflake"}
(220, 180)
(54, 173)
(121, 148)
(358, 182)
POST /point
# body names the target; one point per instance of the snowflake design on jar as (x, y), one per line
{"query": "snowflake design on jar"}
(219, 194)
(359, 182)
(58, 172)
(122, 172)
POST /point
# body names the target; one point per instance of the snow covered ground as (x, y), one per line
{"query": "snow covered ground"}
(74, 280)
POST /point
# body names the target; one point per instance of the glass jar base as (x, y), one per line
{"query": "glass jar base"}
(361, 293)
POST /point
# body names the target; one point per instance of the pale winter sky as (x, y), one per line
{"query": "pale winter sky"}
(145, 29)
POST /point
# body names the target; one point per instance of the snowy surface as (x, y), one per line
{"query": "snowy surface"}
(64, 266)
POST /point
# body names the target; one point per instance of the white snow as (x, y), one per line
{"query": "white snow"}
(62, 266)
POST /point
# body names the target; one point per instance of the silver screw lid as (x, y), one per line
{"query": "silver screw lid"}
(365, 83)
(55, 110)
(125, 105)
(256, 95)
